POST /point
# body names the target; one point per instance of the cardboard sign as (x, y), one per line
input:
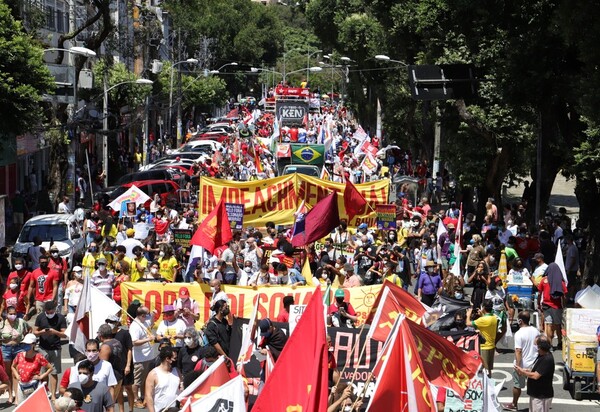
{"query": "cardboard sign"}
(473, 400)
(296, 312)
(235, 213)
(386, 217)
(182, 237)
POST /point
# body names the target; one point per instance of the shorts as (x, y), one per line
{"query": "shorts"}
(519, 381)
(540, 405)
(140, 371)
(487, 358)
(10, 351)
(553, 316)
(53, 357)
(18, 218)
(444, 263)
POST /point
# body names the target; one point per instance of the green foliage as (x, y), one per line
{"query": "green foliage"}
(23, 77)
(131, 94)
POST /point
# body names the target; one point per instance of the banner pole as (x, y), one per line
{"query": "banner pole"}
(361, 395)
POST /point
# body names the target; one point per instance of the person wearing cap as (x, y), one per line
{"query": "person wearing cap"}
(27, 368)
(171, 327)
(50, 327)
(130, 243)
(103, 279)
(429, 284)
(272, 339)
(187, 308)
(340, 312)
(143, 351)
(218, 330)
(73, 291)
(43, 286)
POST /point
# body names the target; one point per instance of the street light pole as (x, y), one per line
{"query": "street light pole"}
(190, 61)
(308, 63)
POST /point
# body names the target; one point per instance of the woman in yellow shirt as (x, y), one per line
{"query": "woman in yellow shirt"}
(168, 265)
(109, 229)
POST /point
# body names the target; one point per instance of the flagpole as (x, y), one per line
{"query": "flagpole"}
(361, 395)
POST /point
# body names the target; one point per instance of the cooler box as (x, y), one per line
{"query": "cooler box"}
(523, 291)
(580, 356)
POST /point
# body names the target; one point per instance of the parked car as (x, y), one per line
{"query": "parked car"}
(159, 173)
(200, 146)
(309, 170)
(60, 230)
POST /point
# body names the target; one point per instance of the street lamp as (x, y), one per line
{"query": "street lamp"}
(308, 62)
(225, 65)
(105, 120)
(311, 69)
(385, 58)
(188, 61)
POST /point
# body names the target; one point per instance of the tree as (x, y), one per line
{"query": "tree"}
(23, 77)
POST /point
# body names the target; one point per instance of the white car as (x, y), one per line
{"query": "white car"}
(203, 146)
(60, 230)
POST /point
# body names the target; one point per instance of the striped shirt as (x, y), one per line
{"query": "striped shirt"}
(104, 283)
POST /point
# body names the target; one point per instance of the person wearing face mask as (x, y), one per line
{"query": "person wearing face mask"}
(102, 370)
(12, 333)
(262, 277)
(73, 291)
(96, 394)
(138, 264)
(340, 312)
(123, 336)
(103, 279)
(89, 259)
(430, 283)
(218, 330)
(43, 286)
(272, 341)
(13, 297)
(164, 382)
(21, 274)
(60, 266)
(144, 351)
(189, 356)
(50, 328)
(27, 368)
(171, 327)
(168, 264)
(187, 308)
(343, 399)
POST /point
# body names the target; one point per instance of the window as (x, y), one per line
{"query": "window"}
(47, 232)
(61, 23)
(50, 18)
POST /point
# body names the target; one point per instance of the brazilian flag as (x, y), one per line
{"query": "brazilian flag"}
(313, 154)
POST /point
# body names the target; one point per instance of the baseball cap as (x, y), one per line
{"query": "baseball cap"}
(264, 326)
(363, 226)
(53, 248)
(168, 308)
(101, 261)
(29, 339)
(77, 269)
(339, 293)
(184, 292)
(130, 232)
(112, 319)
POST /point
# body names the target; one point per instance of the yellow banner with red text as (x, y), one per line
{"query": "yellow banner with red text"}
(277, 199)
(241, 298)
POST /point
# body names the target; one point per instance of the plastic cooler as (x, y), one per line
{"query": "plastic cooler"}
(521, 290)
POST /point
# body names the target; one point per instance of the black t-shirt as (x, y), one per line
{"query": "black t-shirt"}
(218, 332)
(188, 357)
(542, 388)
(58, 322)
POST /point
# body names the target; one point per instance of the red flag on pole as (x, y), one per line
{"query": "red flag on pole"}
(319, 221)
(215, 230)
(401, 381)
(354, 201)
(38, 401)
(216, 375)
(303, 362)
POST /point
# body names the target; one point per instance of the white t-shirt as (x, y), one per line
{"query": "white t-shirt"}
(169, 329)
(103, 372)
(145, 352)
(497, 297)
(129, 244)
(524, 340)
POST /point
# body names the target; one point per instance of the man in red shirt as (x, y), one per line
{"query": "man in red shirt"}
(552, 301)
(284, 315)
(341, 313)
(43, 286)
(60, 266)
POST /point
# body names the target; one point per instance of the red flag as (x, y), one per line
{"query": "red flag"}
(319, 221)
(445, 365)
(38, 401)
(213, 377)
(392, 301)
(354, 201)
(401, 382)
(214, 231)
(303, 362)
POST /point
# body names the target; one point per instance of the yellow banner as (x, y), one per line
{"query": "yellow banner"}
(241, 298)
(277, 199)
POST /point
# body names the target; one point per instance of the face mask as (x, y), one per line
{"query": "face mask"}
(429, 270)
(492, 260)
(18, 267)
(225, 312)
(324, 276)
(83, 378)
(248, 269)
(91, 356)
(161, 254)
(154, 271)
(93, 249)
(268, 335)
(113, 244)
(78, 275)
(11, 317)
(188, 341)
(27, 348)
(50, 315)
(101, 267)
(347, 408)
(213, 289)
(458, 295)
(461, 323)
(44, 265)
(54, 254)
(13, 286)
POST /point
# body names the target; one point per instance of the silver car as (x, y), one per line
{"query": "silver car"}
(60, 230)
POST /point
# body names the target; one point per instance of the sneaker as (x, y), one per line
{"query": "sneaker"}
(509, 407)
(139, 404)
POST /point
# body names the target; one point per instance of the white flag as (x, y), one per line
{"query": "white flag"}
(133, 194)
(229, 397)
(246, 348)
(558, 259)
(441, 229)
(101, 308)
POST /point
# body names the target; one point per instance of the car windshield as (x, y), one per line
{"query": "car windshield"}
(305, 170)
(46, 232)
(205, 148)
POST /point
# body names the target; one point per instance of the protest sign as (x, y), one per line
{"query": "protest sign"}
(235, 213)
(386, 216)
(296, 312)
(182, 237)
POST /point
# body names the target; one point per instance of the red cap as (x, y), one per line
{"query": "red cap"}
(184, 293)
